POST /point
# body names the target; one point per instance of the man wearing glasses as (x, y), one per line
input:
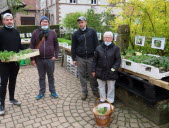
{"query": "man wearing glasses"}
(46, 41)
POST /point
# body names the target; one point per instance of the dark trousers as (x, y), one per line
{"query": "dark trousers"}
(85, 66)
(46, 66)
(8, 72)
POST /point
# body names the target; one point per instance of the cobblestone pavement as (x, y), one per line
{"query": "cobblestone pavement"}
(68, 111)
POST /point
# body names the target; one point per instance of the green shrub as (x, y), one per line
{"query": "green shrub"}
(56, 28)
(31, 28)
(26, 28)
(68, 36)
(62, 40)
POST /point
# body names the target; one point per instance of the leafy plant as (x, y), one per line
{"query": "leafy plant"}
(102, 110)
(160, 62)
(6, 55)
(62, 40)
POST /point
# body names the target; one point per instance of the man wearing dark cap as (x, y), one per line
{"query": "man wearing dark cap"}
(46, 41)
(84, 43)
(9, 41)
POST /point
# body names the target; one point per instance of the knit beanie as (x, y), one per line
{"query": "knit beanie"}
(44, 18)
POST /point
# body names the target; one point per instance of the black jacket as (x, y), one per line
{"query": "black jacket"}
(84, 43)
(105, 58)
(10, 40)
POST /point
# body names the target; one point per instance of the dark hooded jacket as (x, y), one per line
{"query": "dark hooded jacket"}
(84, 43)
(105, 58)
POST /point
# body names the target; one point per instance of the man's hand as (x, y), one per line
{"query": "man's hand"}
(53, 58)
(93, 74)
(75, 63)
(33, 62)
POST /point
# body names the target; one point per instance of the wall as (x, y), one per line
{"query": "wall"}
(22, 14)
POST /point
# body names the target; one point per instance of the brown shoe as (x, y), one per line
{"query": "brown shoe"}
(96, 94)
(84, 96)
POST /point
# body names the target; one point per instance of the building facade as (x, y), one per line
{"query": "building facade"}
(56, 10)
(25, 17)
(28, 15)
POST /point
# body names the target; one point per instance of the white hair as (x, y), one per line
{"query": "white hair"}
(108, 33)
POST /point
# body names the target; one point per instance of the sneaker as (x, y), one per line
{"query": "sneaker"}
(39, 96)
(2, 110)
(84, 97)
(14, 102)
(96, 94)
(54, 95)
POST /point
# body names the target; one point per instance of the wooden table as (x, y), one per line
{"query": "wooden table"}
(157, 82)
(65, 52)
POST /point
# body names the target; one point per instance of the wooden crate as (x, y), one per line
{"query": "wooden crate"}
(32, 54)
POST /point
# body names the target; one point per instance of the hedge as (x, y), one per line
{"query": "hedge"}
(31, 28)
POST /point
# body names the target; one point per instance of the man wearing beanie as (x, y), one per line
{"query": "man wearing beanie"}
(10, 41)
(46, 41)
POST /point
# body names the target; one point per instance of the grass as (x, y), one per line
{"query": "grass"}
(62, 40)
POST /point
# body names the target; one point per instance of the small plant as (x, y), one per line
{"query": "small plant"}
(101, 111)
(62, 40)
(6, 55)
(160, 62)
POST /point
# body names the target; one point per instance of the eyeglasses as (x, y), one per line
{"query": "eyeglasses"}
(44, 22)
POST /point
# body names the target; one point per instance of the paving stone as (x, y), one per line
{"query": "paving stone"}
(6, 120)
(28, 122)
(10, 125)
(18, 126)
(134, 125)
(67, 111)
(55, 124)
(133, 120)
(77, 125)
(46, 122)
(36, 125)
(147, 125)
(62, 119)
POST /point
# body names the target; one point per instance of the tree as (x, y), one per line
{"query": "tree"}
(94, 20)
(70, 21)
(145, 17)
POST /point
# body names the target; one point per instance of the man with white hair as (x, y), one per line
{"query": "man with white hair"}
(9, 41)
(106, 62)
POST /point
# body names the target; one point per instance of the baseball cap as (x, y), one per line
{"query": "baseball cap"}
(81, 18)
(7, 15)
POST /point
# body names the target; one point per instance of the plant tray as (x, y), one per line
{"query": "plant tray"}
(130, 65)
(152, 71)
(24, 56)
(144, 69)
(32, 54)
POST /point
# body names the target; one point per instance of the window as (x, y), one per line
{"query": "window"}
(72, 1)
(27, 20)
(93, 1)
